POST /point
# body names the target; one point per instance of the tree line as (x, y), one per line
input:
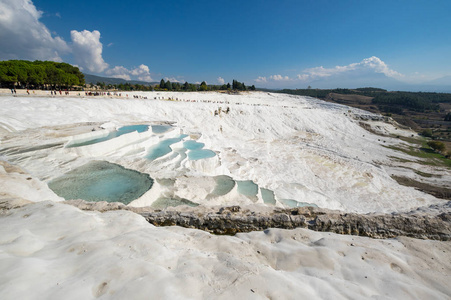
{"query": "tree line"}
(52, 75)
(176, 86)
(203, 86)
(39, 74)
(124, 86)
(419, 102)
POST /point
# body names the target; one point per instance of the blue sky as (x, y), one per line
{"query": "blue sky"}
(267, 43)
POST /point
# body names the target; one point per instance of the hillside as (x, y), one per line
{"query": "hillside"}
(416, 110)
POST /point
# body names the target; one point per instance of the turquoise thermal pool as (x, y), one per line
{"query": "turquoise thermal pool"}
(163, 203)
(224, 185)
(121, 131)
(163, 147)
(293, 203)
(248, 188)
(200, 154)
(160, 128)
(196, 152)
(268, 196)
(193, 145)
(102, 181)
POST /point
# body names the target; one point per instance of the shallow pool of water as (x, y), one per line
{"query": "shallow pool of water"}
(130, 128)
(268, 196)
(200, 154)
(224, 184)
(162, 203)
(293, 203)
(193, 145)
(162, 148)
(196, 152)
(160, 128)
(102, 181)
(247, 188)
(121, 131)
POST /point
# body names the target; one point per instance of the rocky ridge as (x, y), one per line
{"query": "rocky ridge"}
(433, 222)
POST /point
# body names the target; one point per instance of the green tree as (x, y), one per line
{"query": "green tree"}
(7, 78)
(101, 85)
(168, 85)
(437, 146)
(427, 132)
(240, 86)
(38, 73)
(203, 86)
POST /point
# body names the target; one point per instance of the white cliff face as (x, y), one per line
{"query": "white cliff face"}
(301, 148)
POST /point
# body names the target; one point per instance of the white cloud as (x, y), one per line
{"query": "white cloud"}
(279, 78)
(379, 66)
(77, 66)
(87, 50)
(368, 65)
(220, 80)
(272, 78)
(370, 71)
(142, 69)
(144, 73)
(23, 36)
(171, 79)
(119, 72)
(140, 73)
(303, 77)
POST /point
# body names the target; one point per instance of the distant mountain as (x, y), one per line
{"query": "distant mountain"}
(354, 79)
(370, 72)
(441, 81)
(93, 79)
(441, 85)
